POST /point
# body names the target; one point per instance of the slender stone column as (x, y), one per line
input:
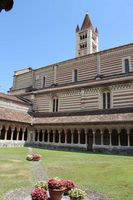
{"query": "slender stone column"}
(65, 132)
(38, 134)
(72, 136)
(0, 131)
(43, 134)
(5, 134)
(54, 132)
(110, 138)
(119, 142)
(94, 138)
(18, 134)
(48, 136)
(86, 136)
(101, 137)
(79, 136)
(12, 133)
(128, 137)
(59, 136)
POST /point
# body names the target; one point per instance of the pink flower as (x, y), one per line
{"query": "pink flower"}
(39, 194)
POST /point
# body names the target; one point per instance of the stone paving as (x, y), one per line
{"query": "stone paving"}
(40, 174)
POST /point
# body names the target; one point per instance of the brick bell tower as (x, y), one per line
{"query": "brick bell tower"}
(86, 38)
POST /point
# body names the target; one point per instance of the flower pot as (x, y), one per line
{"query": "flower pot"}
(56, 194)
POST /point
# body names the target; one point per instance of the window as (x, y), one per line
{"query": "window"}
(126, 65)
(75, 75)
(44, 82)
(106, 100)
(55, 104)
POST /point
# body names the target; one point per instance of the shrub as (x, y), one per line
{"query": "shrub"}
(42, 184)
(77, 194)
(56, 183)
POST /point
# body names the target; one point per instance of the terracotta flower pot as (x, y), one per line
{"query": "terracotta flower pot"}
(56, 194)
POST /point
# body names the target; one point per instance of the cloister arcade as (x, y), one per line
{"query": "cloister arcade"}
(87, 138)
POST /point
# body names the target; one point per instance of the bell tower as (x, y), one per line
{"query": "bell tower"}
(86, 38)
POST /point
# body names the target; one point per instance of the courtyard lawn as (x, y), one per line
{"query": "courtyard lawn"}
(107, 174)
(15, 171)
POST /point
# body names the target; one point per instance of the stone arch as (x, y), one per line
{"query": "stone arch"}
(69, 136)
(2, 136)
(106, 137)
(25, 134)
(15, 133)
(131, 137)
(75, 136)
(9, 133)
(46, 136)
(20, 134)
(98, 137)
(56, 136)
(62, 136)
(114, 137)
(36, 136)
(40, 136)
(51, 136)
(82, 136)
(123, 137)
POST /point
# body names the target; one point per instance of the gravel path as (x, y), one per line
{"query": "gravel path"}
(40, 174)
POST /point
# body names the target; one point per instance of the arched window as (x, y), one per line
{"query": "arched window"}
(106, 100)
(126, 65)
(75, 75)
(55, 104)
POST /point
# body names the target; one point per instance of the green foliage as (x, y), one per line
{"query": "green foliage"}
(77, 194)
(42, 184)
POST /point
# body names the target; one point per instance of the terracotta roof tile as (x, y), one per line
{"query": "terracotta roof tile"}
(126, 117)
(15, 116)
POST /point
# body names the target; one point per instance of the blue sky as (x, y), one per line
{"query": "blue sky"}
(37, 33)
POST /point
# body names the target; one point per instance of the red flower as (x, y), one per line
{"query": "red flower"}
(69, 184)
(56, 183)
(39, 194)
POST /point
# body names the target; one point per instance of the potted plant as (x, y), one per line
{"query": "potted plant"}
(56, 188)
(36, 157)
(76, 194)
(69, 184)
(42, 184)
(39, 194)
(29, 157)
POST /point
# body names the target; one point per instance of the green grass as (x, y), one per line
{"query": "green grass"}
(15, 171)
(107, 174)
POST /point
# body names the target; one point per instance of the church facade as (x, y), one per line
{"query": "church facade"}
(85, 103)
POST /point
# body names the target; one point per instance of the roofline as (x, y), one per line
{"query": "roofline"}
(85, 56)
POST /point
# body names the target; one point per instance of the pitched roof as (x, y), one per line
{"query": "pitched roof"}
(14, 116)
(11, 98)
(86, 23)
(87, 119)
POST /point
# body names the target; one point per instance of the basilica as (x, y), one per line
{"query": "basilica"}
(81, 104)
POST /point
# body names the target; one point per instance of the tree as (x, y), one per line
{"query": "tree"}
(6, 5)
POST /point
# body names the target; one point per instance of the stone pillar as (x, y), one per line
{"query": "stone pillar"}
(101, 137)
(43, 132)
(128, 138)
(86, 136)
(79, 136)
(38, 133)
(110, 138)
(65, 132)
(48, 136)
(12, 133)
(72, 136)
(59, 136)
(119, 142)
(94, 138)
(18, 134)
(54, 132)
(5, 134)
